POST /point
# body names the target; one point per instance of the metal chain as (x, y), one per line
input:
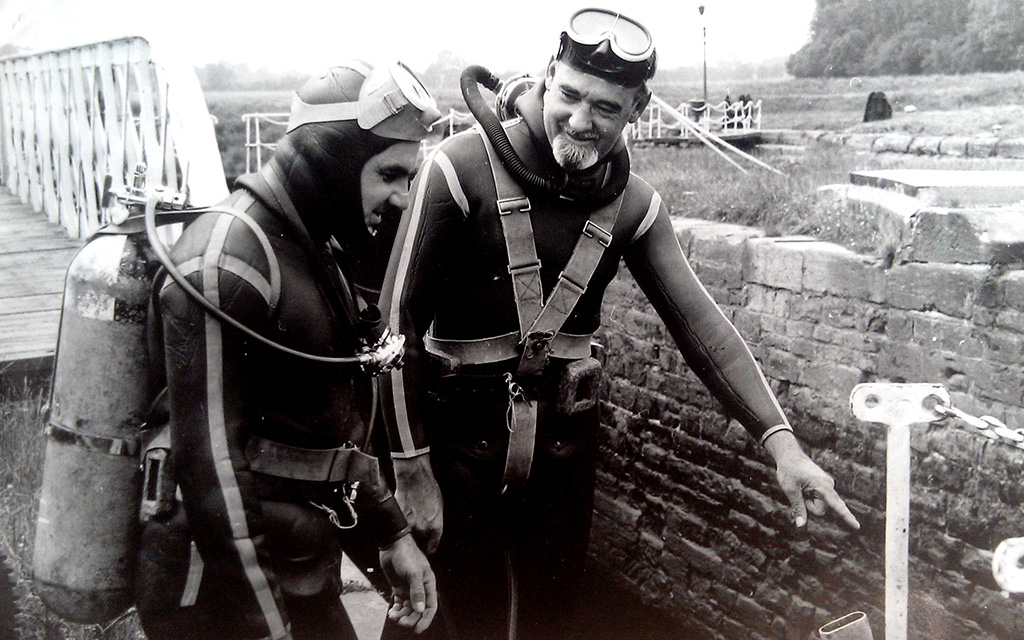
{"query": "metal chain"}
(987, 426)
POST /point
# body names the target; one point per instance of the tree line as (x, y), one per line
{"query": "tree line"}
(910, 37)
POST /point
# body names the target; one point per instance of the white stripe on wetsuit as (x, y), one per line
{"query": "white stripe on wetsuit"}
(452, 178)
(397, 377)
(648, 221)
(228, 483)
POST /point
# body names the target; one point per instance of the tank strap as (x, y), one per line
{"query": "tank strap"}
(104, 444)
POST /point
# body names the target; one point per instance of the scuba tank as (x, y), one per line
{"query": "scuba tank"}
(87, 531)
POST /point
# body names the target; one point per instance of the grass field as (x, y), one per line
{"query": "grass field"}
(693, 181)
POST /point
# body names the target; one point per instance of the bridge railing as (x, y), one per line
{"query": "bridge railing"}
(724, 117)
(69, 118)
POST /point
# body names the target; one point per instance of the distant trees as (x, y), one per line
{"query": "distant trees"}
(227, 76)
(899, 37)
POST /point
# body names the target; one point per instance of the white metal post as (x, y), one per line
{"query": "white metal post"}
(898, 406)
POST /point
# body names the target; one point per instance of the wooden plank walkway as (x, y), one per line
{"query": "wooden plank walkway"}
(34, 258)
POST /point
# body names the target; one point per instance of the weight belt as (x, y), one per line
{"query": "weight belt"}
(539, 320)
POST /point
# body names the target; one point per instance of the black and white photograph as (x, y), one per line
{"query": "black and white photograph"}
(512, 321)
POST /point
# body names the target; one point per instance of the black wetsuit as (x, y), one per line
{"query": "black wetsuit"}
(247, 553)
(450, 274)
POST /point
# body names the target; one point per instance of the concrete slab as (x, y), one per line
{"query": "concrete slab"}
(946, 187)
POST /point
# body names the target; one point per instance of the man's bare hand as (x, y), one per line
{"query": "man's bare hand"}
(806, 485)
(413, 586)
(420, 498)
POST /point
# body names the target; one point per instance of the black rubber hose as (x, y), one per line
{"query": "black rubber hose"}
(475, 75)
(172, 270)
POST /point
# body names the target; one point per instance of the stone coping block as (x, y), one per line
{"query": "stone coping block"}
(893, 143)
(1011, 148)
(692, 232)
(948, 187)
(893, 212)
(979, 236)
(909, 230)
(981, 146)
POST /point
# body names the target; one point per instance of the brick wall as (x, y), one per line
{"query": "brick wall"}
(688, 513)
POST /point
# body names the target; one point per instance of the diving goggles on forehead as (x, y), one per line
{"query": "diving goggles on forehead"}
(627, 38)
(392, 103)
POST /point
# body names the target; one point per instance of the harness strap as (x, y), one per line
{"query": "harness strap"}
(317, 465)
(539, 321)
(521, 419)
(523, 263)
(505, 347)
(575, 277)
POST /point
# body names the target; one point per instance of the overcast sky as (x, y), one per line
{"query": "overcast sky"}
(308, 35)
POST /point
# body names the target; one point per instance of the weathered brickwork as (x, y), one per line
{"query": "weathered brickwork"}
(688, 511)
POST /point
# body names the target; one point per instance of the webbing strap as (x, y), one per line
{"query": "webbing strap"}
(573, 280)
(521, 419)
(316, 465)
(505, 347)
(539, 322)
(523, 263)
(538, 318)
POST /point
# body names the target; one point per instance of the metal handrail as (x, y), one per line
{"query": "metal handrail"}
(254, 144)
(71, 117)
(256, 141)
(724, 117)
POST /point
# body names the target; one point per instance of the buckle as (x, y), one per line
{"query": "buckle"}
(513, 205)
(526, 268)
(393, 104)
(595, 231)
(577, 289)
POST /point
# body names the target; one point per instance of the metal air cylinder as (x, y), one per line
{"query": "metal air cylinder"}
(87, 533)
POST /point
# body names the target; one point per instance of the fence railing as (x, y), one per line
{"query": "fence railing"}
(71, 117)
(722, 118)
(262, 130)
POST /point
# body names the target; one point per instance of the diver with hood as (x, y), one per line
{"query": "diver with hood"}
(268, 433)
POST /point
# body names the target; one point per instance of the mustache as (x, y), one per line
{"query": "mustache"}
(580, 136)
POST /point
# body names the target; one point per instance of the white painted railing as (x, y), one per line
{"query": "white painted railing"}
(262, 130)
(69, 118)
(721, 118)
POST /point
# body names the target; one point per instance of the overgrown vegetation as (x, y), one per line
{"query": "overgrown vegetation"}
(872, 37)
(697, 183)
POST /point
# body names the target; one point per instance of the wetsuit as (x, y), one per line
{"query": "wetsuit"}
(450, 277)
(251, 550)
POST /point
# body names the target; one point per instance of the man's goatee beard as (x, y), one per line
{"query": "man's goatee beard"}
(572, 156)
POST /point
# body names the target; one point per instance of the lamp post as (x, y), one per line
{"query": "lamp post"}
(704, 26)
